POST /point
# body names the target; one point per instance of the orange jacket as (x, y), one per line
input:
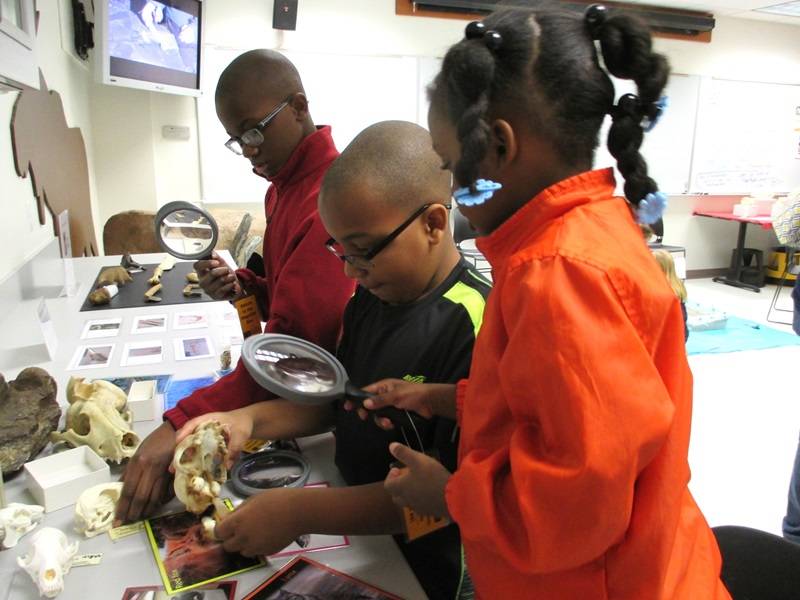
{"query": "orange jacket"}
(573, 472)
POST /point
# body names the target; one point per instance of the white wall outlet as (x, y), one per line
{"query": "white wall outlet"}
(175, 132)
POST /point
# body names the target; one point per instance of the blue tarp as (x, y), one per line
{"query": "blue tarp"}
(739, 335)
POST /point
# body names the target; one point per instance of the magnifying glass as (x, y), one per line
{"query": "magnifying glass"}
(186, 231)
(302, 372)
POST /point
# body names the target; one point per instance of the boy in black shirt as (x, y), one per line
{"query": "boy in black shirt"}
(415, 315)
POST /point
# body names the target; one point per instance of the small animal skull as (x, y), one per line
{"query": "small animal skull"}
(94, 510)
(48, 560)
(16, 520)
(98, 417)
(199, 464)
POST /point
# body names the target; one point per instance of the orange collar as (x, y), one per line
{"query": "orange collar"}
(547, 205)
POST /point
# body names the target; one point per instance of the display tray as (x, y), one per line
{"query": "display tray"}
(57, 480)
(131, 295)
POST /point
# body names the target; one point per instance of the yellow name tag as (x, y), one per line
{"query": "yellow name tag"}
(420, 525)
(249, 318)
(125, 530)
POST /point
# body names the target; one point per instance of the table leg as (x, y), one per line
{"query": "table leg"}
(734, 276)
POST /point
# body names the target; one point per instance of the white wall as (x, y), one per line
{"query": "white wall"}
(20, 230)
(133, 167)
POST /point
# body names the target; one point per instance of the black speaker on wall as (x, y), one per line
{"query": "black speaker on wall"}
(284, 15)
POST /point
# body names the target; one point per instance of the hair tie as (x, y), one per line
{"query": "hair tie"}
(491, 38)
(651, 207)
(483, 190)
(595, 18)
(658, 109)
(627, 106)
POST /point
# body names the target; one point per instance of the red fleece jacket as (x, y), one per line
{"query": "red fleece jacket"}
(305, 289)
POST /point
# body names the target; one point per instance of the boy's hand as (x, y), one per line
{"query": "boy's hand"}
(262, 525)
(237, 423)
(217, 279)
(419, 484)
(146, 482)
(425, 399)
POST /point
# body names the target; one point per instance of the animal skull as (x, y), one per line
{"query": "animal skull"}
(48, 560)
(98, 417)
(16, 520)
(199, 464)
(94, 510)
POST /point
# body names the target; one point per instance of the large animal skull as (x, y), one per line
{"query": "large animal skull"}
(199, 464)
(94, 510)
(98, 417)
(48, 560)
(16, 520)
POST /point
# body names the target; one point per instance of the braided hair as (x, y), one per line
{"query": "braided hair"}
(545, 64)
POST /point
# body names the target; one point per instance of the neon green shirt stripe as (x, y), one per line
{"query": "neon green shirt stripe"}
(471, 300)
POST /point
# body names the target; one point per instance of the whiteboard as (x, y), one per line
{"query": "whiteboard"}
(748, 138)
(346, 91)
(668, 147)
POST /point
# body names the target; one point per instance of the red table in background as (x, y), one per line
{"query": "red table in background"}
(734, 276)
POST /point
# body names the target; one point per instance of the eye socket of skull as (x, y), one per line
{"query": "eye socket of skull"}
(82, 424)
(129, 440)
(188, 455)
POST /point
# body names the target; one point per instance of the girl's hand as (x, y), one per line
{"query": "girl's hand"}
(419, 484)
(425, 399)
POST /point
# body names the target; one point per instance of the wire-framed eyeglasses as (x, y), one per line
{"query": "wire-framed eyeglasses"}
(364, 261)
(254, 137)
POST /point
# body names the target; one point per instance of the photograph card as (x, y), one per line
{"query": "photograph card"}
(178, 389)
(185, 558)
(125, 383)
(149, 324)
(306, 578)
(223, 590)
(190, 320)
(101, 328)
(142, 353)
(191, 348)
(95, 356)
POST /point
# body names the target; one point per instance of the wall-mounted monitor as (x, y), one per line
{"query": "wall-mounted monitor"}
(150, 44)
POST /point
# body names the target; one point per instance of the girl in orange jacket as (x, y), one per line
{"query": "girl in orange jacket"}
(573, 470)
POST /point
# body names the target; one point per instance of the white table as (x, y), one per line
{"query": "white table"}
(129, 562)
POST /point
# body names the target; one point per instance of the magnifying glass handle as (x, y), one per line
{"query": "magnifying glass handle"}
(395, 415)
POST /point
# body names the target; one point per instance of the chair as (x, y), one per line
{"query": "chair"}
(462, 232)
(130, 232)
(757, 565)
(789, 267)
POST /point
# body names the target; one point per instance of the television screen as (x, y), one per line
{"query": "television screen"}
(154, 42)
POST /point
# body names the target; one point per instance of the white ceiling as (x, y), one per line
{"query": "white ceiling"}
(742, 9)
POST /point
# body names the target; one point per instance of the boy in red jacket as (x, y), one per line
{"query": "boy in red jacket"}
(261, 103)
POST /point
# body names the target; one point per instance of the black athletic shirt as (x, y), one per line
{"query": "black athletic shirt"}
(426, 341)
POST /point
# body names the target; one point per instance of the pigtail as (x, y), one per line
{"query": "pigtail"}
(626, 46)
(466, 76)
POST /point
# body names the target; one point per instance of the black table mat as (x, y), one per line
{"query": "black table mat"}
(131, 295)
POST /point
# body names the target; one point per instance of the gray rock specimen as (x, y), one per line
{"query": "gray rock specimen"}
(29, 411)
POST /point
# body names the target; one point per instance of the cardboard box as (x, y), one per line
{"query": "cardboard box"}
(57, 480)
(142, 400)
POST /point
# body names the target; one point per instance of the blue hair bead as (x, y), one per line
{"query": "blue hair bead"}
(484, 189)
(660, 105)
(651, 208)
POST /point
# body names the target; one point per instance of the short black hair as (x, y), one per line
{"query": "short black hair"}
(547, 68)
(396, 160)
(259, 72)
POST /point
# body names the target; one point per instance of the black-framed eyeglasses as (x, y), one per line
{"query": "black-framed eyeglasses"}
(254, 137)
(364, 261)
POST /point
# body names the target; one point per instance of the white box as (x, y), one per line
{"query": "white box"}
(745, 210)
(142, 400)
(56, 481)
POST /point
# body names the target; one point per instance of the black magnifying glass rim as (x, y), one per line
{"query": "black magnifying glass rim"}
(172, 207)
(250, 463)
